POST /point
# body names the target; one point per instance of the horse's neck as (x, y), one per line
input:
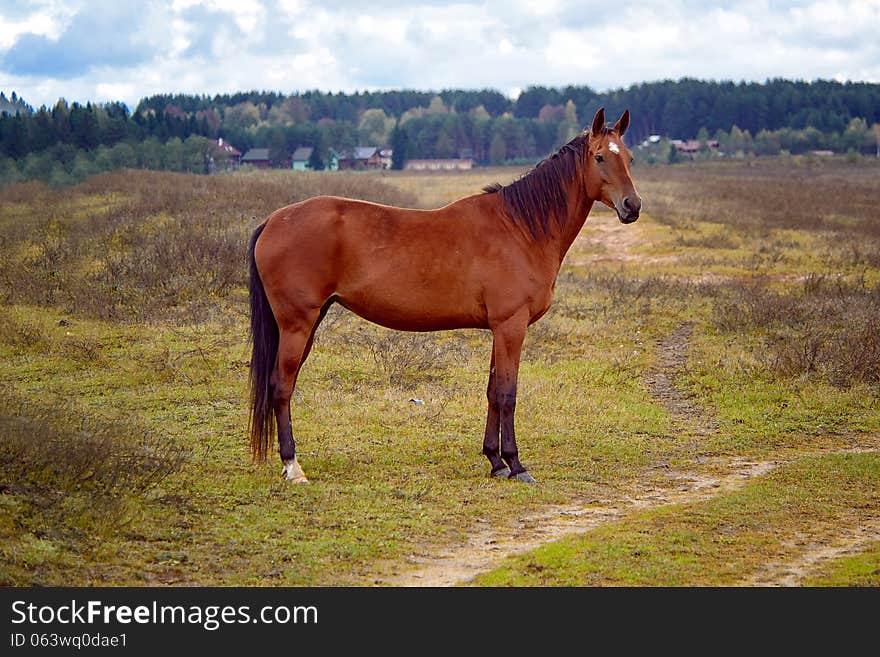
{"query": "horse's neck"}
(579, 205)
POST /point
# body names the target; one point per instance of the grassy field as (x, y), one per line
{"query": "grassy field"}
(735, 323)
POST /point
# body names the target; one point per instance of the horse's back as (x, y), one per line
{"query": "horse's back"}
(362, 235)
(401, 268)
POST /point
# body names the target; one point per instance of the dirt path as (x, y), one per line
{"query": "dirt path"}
(605, 240)
(689, 416)
(814, 555)
(671, 364)
(487, 545)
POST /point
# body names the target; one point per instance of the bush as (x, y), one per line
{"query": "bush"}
(407, 358)
(827, 330)
(136, 245)
(71, 473)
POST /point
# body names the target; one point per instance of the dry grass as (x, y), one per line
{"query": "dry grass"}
(797, 245)
(73, 472)
(147, 245)
(434, 189)
(160, 257)
(828, 329)
(834, 200)
(767, 194)
(407, 358)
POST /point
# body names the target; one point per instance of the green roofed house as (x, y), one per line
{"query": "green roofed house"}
(301, 157)
(257, 158)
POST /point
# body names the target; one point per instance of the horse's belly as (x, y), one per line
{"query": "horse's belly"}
(415, 310)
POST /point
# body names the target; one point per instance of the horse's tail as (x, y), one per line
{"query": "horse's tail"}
(264, 335)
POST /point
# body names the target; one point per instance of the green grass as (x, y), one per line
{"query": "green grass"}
(387, 475)
(861, 569)
(124, 346)
(726, 540)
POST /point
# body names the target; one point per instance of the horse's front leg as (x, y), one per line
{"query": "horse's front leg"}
(492, 438)
(507, 348)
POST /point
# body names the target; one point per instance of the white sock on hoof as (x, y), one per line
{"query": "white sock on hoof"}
(294, 473)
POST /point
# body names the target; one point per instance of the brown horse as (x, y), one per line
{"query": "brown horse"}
(488, 261)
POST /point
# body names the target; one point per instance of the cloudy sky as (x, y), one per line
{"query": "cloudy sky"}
(104, 50)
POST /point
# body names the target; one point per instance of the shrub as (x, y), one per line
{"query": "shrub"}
(138, 245)
(72, 472)
(827, 329)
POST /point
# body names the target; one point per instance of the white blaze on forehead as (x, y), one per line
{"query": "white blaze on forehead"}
(613, 147)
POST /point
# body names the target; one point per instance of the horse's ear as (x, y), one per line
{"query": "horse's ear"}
(598, 123)
(622, 123)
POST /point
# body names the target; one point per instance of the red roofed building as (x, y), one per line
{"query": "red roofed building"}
(223, 156)
(691, 147)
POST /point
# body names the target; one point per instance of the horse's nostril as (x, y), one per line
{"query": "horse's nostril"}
(631, 205)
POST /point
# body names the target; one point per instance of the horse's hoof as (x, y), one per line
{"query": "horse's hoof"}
(501, 473)
(524, 477)
(293, 472)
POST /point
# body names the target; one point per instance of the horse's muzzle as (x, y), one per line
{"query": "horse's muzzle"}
(629, 208)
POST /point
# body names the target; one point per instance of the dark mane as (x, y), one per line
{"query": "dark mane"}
(538, 197)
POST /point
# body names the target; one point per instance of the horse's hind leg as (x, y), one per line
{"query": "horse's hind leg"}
(294, 344)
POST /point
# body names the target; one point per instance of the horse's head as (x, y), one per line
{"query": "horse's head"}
(608, 168)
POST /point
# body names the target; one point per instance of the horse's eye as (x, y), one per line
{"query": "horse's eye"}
(631, 160)
(599, 158)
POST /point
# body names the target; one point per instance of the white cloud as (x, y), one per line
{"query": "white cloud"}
(575, 52)
(246, 13)
(213, 46)
(542, 8)
(178, 37)
(839, 21)
(110, 91)
(42, 22)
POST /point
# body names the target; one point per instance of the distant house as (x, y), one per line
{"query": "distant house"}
(387, 157)
(691, 147)
(257, 158)
(299, 161)
(449, 164)
(360, 158)
(222, 156)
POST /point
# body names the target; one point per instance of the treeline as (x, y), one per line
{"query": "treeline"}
(13, 104)
(483, 124)
(64, 163)
(89, 126)
(857, 138)
(674, 108)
